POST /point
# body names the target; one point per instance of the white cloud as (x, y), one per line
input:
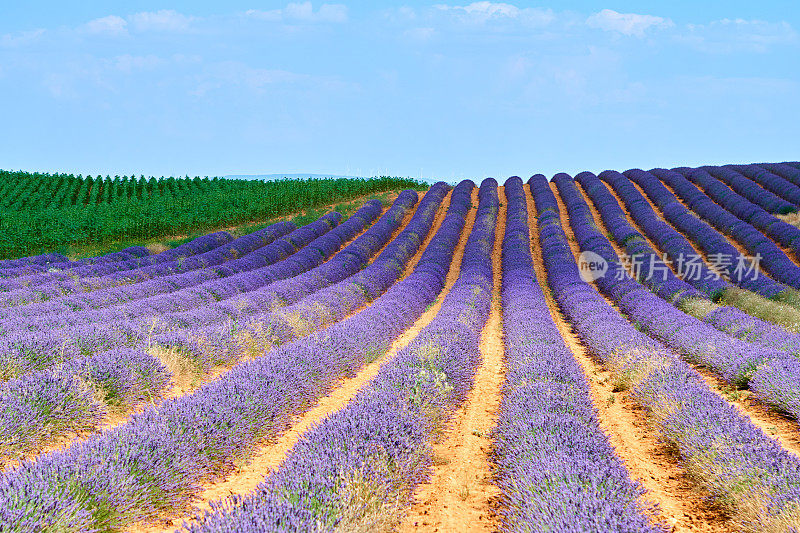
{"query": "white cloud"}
(626, 23)
(128, 63)
(164, 20)
(484, 12)
(18, 39)
(302, 12)
(110, 25)
(234, 74)
(419, 35)
(731, 35)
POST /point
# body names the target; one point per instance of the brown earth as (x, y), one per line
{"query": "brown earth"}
(460, 495)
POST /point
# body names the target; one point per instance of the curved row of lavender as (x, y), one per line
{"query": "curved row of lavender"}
(53, 261)
(154, 463)
(259, 297)
(206, 286)
(650, 269)
(670, 241)
(739, 362)
(770, 181)
(771, 192)
(555, 467)
(725, 318)
(781, 232)
(746, 472)
(41, 342)
(196, 246)
(773, 260)
(238, 337)
(358, 468)
(41, 259)
(706, 238)
(115, 288)
(784, 170)
(75, 395)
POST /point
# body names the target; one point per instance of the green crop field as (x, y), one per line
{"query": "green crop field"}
(50, 212)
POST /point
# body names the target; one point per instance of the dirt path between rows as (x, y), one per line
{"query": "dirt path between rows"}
(460, 495)
(272, 455)
(682, 504)
(778, 427)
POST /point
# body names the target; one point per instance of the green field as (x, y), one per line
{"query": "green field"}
(59, 212)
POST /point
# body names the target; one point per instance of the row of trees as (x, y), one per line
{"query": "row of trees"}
(46, 212)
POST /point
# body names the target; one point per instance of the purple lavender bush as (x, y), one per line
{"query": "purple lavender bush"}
(358, 468)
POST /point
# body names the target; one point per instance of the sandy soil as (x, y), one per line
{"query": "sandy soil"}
(682, 504)
(460, 495)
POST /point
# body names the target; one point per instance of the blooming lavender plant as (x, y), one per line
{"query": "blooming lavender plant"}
(231, 340)
(74, 397)
(766, 197)
(357, 469)
(137, 283)
(670, 241)
(744, 470)
(154, 462)
(705, 237)
(727, 319)
(772, 258)
(782, 232)
(556, 468)
(784, 170)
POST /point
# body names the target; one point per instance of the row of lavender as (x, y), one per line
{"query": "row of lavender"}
(771, 373)
(74, 333)
(53, 261)
(692, 267)
(39, 342)
(359, 467)
(556, 468)
(707, 239)
(261, 321)
(55, 401)
(773, 260)
(771, 191)
(154, 463)
(657, 276)
(18, 278)
(62, 296)
(744, 470)
(781, 232)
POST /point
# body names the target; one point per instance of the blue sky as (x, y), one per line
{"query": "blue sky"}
(441, 90)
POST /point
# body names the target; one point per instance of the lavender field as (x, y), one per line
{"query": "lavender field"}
(612, 352)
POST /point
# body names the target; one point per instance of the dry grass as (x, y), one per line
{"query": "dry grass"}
(763, 308)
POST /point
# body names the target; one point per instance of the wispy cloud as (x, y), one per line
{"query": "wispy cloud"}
(128, 63)
(732, 35)
(302, 12)
(419, 35)
(110, 25)
(487, 12)
(11, 40)
(226, 75)
(627, 23)
(164, 20)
